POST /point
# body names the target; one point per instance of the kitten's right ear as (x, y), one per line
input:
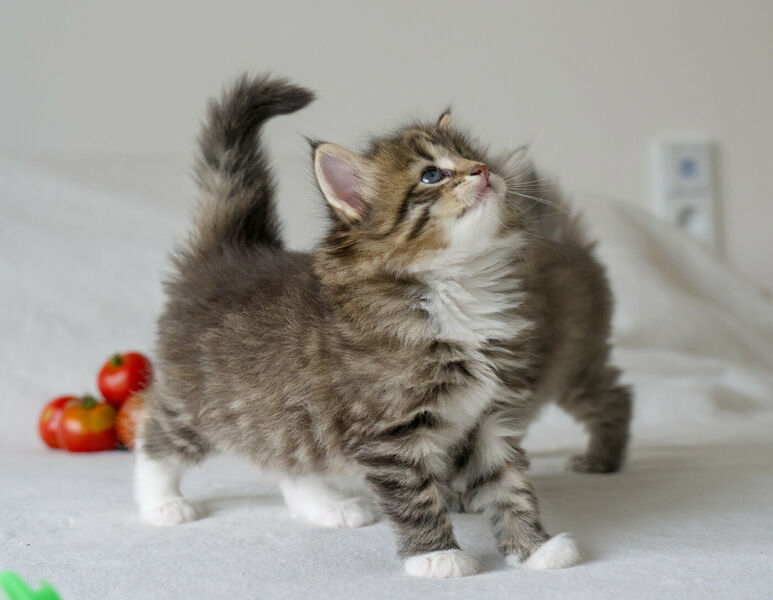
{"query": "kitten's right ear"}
(341, 175)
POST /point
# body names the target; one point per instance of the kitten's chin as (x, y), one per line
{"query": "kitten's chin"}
(484, 215)
(476, 230)
(497, 188)
(487, 194)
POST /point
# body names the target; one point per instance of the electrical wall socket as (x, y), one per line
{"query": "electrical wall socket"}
(684, 185)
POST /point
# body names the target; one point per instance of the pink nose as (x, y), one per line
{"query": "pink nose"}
(481, 170)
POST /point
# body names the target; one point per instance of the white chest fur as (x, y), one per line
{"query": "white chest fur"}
(472, 302)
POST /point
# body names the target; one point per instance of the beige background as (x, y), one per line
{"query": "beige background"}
(86, 86)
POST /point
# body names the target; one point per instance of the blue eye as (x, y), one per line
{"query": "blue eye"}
(433, 175)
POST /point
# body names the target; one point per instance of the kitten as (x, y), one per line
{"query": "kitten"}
(451, 295)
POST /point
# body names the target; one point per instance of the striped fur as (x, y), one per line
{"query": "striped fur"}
(409, 350)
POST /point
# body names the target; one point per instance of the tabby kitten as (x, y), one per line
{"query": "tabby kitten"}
(409, 350)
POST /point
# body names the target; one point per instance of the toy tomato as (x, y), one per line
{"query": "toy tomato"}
(123, 375)
(88, 426)
(51, 418)
(128, 416)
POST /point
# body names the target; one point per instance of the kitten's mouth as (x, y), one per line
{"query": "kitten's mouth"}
(483, 195)
(490, 190)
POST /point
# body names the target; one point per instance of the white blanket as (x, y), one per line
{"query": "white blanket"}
(691, 515)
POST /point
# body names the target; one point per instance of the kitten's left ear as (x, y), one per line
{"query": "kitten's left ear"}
(341, 176)
(445, 119)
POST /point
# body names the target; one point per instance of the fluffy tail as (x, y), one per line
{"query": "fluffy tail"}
(232, 169)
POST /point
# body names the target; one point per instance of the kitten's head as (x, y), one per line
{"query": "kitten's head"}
(418, 198)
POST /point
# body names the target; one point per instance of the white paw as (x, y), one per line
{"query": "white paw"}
(170, 512)
(558, 552)
(441, 565)
(349, 514)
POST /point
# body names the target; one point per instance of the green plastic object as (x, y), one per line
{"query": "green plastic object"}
(16, 589)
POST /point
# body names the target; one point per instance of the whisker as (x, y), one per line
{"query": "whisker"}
(534, 182)
(516, 179)
(555, 205)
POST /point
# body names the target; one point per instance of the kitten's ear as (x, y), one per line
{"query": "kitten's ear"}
(341, 175)
(445, 119)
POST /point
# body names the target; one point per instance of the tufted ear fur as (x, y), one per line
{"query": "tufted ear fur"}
(341, 176)
(445, 119)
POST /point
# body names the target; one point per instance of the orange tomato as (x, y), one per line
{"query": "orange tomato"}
(88, 426)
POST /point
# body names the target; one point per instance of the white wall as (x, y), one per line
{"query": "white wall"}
(591, 81)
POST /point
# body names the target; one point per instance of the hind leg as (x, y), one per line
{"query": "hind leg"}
(314, 499)
(162, 457)
(603, 406)
(157, 491)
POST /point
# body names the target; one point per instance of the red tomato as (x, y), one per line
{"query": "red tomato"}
(50, 419)
(128, 417)
(123, 375)
(88, 426)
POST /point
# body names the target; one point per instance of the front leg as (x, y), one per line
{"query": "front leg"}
(493, 474)
(410, 497)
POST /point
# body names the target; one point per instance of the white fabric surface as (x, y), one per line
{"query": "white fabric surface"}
(690, 517)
